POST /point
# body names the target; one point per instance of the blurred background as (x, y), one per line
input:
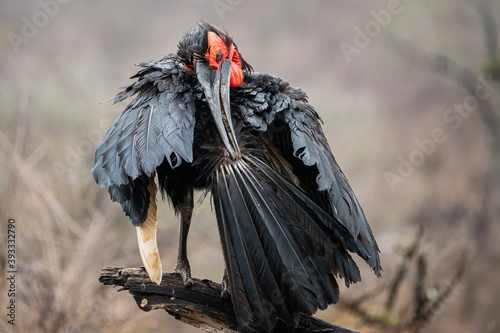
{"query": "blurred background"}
(409, 92)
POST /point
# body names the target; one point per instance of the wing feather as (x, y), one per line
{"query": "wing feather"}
(311, 147)
(157, 125)
(271, 105)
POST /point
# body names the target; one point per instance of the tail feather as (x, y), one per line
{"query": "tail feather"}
(283, 245)
(243, 286)
(319, 224)
(290, 250)
(279, 254)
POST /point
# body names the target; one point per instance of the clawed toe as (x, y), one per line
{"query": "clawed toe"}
(225, 286)
(184, 270)
(188, 281)
(225, 294)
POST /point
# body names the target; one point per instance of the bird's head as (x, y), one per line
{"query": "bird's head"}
(210, 46)
(211, 55)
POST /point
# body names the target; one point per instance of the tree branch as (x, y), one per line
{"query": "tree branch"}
(403, 268)
(461, 75)
(490, 31)
(200, 306)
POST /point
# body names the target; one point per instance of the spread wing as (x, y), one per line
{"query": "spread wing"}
(294, 127)
(157, 125)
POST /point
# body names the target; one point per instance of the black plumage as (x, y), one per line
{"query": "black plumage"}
(287, 215)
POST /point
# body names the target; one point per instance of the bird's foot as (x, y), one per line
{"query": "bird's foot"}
(182, 267)
(225, 286)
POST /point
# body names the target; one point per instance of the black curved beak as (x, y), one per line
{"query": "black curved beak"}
(215, 85)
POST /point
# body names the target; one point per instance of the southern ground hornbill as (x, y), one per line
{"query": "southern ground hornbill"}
(287, 217)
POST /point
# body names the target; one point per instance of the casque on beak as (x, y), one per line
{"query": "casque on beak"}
(215, 85)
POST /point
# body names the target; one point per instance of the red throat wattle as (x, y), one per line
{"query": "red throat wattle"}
(217, 52)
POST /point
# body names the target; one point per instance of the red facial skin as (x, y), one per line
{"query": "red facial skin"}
(216, 45)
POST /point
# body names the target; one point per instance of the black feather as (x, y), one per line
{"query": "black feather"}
(155, 126)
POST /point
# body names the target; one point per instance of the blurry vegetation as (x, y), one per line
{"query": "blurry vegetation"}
(492, 68)
(437, 229)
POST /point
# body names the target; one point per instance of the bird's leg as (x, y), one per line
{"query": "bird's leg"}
(225, 286)
(182, 264)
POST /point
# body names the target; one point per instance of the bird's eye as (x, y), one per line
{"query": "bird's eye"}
(218, 56)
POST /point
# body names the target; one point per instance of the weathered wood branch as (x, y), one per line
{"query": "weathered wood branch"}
(199, 306)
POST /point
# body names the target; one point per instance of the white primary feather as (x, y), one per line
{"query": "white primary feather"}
(146, 237)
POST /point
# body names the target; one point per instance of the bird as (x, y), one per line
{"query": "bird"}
(203, 121)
